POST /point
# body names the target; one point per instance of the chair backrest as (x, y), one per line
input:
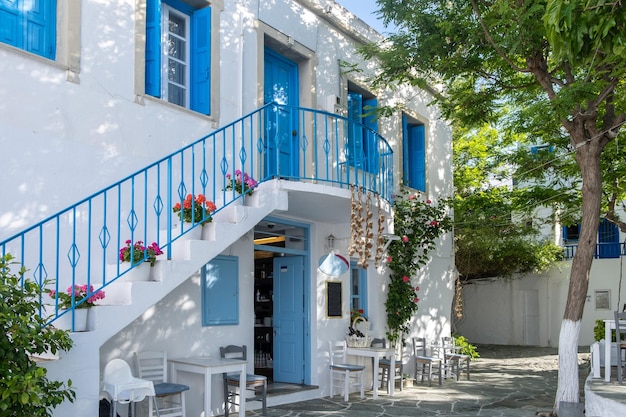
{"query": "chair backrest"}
(378, 342)
(337, 351)
(620, 328)
(419, 346)
(234, 352)
(152, 366)
(118, 373)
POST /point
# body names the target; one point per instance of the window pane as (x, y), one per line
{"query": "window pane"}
(176, 94)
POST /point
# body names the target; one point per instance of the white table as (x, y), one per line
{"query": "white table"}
(377, 354)
(209, 366)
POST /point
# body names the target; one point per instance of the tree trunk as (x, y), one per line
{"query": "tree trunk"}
(588, 160)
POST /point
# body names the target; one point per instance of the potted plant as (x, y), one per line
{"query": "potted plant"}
(81, 297)
(195, 209)
(137, 252)
(242, 183)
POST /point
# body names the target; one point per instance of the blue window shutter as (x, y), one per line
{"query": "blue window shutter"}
(417, 157)
(201, 61)
(40, 28)
(220, 291)
(354, 152)
(11, 24)
(153, 48)
(405, 150)
(369, 141)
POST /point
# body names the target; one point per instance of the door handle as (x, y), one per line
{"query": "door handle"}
(294, 133)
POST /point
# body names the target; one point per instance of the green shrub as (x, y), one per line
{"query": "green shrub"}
(25, 389)
(466, 347)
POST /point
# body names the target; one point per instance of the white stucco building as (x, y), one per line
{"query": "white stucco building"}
(115, 110)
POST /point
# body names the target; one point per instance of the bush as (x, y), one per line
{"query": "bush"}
(25, 389)
(466, 347)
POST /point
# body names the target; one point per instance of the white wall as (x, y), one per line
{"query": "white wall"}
(493, 311)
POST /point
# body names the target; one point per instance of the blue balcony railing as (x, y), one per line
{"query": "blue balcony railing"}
(603, 250)
(81, 244)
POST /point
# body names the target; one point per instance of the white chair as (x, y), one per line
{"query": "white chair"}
(424, 364)
(118, 381)
(620, 330)
(171, 397)
(384, 365)
(254, 383)
(343, 374)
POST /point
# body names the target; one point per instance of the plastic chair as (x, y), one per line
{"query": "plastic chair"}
(153, 367)
(384, 365)
(424, 364)
(343, 374)
(231, 381)
(620, 330)
(119, 382)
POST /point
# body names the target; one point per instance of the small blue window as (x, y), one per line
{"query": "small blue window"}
(29, 25)
(414, 154)
(358, 288)
(181, 72)
(220, 291)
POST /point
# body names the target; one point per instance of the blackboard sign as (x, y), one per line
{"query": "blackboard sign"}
(333, 299)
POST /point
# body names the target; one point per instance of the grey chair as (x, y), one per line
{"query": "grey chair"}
(384, 365)
(254, 383)
(425, 365)
(454, 361)
(620, 330)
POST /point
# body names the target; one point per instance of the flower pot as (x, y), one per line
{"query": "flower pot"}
(81, 316)
(141, 272)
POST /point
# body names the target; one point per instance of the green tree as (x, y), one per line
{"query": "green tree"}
(25, 389)
(559, 65)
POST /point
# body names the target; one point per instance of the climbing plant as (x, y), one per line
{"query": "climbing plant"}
(25, 389)
(418, 222)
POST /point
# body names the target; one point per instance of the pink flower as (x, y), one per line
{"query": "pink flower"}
(389, 259)
(405, 238)
(417, 288)
(428, 201)
(434, 223)
(411, 197)
(415, 300)
(405, 278)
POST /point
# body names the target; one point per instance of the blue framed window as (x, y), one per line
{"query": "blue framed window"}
(30, 25)
(413, 154)
(361, 149)
(220, 291)
(180, 71)
(358, 288)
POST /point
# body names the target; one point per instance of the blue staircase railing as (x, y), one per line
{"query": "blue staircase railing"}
(81, 244)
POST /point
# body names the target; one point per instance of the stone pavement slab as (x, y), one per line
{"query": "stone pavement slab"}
(505, 382)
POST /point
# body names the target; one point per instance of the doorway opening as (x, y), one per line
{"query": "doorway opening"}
(281, 344)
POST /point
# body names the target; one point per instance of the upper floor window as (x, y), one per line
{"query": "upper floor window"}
(361, 147)
(413, 154)
(30, 25)
(178, 54)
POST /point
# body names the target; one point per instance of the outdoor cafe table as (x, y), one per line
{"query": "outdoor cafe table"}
(377, 354)
(208, 366)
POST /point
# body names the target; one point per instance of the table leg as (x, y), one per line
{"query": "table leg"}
(375, 379)
(607, 352)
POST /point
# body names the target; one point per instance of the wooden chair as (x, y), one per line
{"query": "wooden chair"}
(453, 359)
(254, 383)
(424, 364)
(384, 365)
(620, 329)
(342, 374)
(171, 397)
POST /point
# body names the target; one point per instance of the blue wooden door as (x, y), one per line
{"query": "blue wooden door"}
(282, 135)
(608, 240)
(289, 319)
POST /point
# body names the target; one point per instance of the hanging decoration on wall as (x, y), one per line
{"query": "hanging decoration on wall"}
(362, 237)
(380, 238)
(458, 302)
(333, 264)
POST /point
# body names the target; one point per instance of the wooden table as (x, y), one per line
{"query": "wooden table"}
(209, 366)
(377, 354)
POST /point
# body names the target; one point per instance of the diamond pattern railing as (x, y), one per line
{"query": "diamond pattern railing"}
(81, 244)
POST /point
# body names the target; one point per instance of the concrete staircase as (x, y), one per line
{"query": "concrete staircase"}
(127, 301)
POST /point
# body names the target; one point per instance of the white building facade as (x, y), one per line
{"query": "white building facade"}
(96, 91)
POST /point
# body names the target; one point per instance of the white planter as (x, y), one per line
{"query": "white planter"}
(141, 272)
(81, 316)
